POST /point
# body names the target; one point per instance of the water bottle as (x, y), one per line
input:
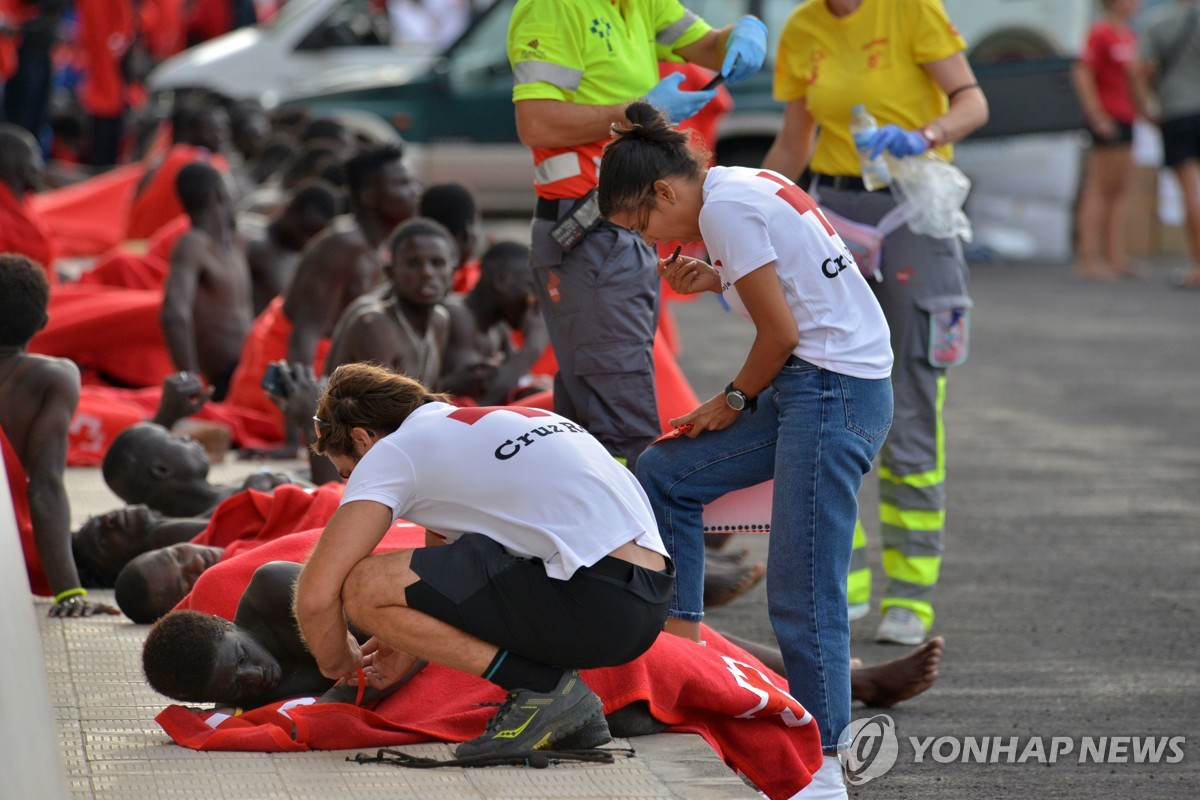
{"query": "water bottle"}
(875, 174)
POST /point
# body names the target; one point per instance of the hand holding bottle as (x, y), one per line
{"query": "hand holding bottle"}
(896, 141)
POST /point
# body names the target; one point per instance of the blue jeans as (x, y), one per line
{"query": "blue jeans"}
(816, 433)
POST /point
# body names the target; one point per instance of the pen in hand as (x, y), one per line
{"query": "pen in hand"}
(675, 256)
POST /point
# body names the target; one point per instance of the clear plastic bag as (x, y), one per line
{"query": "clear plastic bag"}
(936, 190)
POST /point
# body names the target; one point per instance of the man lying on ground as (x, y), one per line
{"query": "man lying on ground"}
(147, 464)
(187, 655)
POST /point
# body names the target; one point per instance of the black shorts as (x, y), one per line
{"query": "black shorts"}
(606, 614)
(1181, 139)
(1122, 137)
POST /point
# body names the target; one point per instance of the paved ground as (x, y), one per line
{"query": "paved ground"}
(1069, 597)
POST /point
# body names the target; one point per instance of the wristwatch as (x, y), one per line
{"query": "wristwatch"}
(737, 399)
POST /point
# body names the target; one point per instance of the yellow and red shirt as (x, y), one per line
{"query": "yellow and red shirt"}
(871, 56)
(590, 52)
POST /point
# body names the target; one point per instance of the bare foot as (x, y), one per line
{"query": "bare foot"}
(723, 581)
(1128, 269)
(884, 685)
(1186, 279)
(1094, 273)
(732, 557)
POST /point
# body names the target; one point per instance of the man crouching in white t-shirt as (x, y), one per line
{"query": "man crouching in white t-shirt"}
(550, 555)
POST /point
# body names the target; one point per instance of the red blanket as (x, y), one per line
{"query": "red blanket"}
(18, 487)
(22, 230)
(88, 218)
(717, 691)
(219, 587)
(258, 517)
(105, 411)
(131, 270)
(266, 342)
(158, 203)
(115, 332)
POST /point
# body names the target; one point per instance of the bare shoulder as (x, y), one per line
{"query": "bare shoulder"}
(48, 375)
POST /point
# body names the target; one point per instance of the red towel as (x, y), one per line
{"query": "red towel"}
(130, 270)
(105, 411)
(220, 586)
(158, 203)
(102, 413)
(115, 332)
(717, 691)
(88, 218)
(18, 487)
(265, 516)
(22, 230)
(266, 342)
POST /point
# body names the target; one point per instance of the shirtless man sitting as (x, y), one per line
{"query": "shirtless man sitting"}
(482, 362)
(38, 395)
(208, 298)
(273, 250)
(147, 464)
(273, 647)
(257, 659)
(407, 328)
(342, 264)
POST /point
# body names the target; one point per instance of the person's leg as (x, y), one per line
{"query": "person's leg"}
(1115, 168)
(374, 599)
(1181, 152)
(1088, 217)
(681, 475)
(1188, 174)
(107, 133)
(912, 474)
(830, 428)
(600, 302)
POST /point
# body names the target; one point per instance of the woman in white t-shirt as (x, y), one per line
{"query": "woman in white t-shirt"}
(810, 406)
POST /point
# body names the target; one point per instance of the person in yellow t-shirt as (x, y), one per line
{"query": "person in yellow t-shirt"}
(903, 60)
(577, 64)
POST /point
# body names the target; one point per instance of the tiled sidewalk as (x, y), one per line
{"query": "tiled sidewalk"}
(113, 749)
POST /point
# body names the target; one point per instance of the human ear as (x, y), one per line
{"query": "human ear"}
(363, 439)
(160, 470)
(664, 190)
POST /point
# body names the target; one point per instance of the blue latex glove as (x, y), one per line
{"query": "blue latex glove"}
(745, 49)
(897, 141)
(677, 104)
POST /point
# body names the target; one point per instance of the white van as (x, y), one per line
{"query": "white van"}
(310, 47)
(1014, 30)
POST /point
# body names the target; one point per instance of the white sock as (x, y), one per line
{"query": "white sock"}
(827, 783)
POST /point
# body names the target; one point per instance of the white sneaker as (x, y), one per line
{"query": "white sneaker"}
(857, 611)
(901, 626)
(827, 783)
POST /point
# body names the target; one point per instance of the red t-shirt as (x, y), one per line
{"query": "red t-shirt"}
(1108, 52)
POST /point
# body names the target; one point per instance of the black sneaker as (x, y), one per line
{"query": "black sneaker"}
(571, 717)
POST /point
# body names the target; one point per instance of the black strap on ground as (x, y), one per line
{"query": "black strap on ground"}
(536, 759)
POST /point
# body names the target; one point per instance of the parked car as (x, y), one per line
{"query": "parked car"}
(310, 47)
